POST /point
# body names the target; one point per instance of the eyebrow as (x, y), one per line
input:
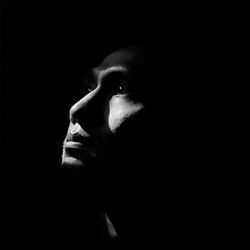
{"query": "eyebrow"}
(104, 72)
(95, 73)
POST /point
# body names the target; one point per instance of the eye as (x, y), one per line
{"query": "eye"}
(121, 88)
(116, 83)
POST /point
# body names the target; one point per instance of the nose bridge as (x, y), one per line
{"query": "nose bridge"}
(88, 108)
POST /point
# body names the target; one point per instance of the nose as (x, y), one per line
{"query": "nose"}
(89, 111)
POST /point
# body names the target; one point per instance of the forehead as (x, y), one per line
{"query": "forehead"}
(129, 59)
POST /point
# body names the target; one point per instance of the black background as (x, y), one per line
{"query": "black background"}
(47, 47)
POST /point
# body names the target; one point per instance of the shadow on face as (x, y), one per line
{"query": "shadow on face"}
(114, 100)
(111, 127)
(126, 141)
(123, 131)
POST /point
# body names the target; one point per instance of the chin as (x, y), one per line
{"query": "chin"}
(72, 162)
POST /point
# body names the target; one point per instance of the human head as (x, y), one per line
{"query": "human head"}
(122, 131)
(115, 98)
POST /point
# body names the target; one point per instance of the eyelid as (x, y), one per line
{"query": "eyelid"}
(114, 77)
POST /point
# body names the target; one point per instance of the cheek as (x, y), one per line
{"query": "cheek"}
(121, 112)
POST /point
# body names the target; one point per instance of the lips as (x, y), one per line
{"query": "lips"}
(79, 144)
(77, 141)
(76, 145)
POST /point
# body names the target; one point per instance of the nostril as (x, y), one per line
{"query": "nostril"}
(76, 128)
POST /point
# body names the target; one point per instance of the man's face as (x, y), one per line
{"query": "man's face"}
(108, 111)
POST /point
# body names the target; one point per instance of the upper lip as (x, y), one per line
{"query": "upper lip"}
(78, 138)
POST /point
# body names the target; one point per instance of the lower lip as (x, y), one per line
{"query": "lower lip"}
(76, 150)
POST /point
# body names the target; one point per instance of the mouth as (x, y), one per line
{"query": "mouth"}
(76, 150)
(79, 146)
(75, 145)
